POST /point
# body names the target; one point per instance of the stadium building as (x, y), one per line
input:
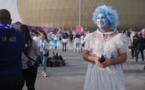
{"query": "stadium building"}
(65, 13)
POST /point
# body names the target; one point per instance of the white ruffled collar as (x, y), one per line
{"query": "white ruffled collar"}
(6, 26)
(108, 33)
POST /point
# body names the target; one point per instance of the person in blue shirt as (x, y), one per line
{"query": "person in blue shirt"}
(44, 46)
(11, 46)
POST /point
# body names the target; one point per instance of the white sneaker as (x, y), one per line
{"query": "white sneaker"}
(44, 75)
(42, 72)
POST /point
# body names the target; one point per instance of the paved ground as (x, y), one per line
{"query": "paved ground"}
(72, 76)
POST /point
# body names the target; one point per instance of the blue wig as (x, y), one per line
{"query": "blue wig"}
(110, 13)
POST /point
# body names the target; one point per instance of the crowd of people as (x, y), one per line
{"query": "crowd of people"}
(63, 38)
(20, 67)
(136, 44)
(105, 49)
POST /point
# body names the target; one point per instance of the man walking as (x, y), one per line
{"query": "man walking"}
(11, 47)
(140, 47)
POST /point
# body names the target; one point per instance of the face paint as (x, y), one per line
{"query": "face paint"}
(102, 21)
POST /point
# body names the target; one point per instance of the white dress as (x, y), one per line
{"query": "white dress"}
(109, 78)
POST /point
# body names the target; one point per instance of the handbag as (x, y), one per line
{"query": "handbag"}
(29, 63)
(45, 52)
(130, 47)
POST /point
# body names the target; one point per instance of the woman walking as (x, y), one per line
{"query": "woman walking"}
(29, 68)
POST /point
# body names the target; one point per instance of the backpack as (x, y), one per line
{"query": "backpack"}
(56, 61)
(64, 35)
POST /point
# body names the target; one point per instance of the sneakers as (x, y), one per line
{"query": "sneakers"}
(44, 75)
(42, 72)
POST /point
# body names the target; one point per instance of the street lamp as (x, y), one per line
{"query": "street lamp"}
(80, 5)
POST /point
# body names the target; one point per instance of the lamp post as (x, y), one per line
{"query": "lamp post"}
(80, 9)
(78, 27)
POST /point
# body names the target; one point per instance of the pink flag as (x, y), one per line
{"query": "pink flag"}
(78, 29)
(46, 30)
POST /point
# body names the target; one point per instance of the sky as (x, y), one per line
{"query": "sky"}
(11, 5)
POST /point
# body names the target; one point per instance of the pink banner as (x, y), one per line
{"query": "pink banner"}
(143, 32)
(78, 29)
(46, 30)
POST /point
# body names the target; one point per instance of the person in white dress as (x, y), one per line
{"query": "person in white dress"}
(108, 43)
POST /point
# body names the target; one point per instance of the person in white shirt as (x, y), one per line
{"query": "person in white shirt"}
(64, 41)
(44, 46)
(36, 37)
(77, 43)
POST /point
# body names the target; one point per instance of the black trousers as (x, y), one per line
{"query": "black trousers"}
(64, 46)
(71, 40)
(29, 77)
(133, 52)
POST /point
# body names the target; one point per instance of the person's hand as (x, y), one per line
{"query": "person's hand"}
(98, 63)
(39, 32)
(107, 63)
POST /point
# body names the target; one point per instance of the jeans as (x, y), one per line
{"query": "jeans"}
(44, 61)
(137, 53)
(64, 44)
(55, 49)
(77, 47)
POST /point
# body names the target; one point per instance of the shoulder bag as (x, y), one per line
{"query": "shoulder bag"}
(29, 63)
